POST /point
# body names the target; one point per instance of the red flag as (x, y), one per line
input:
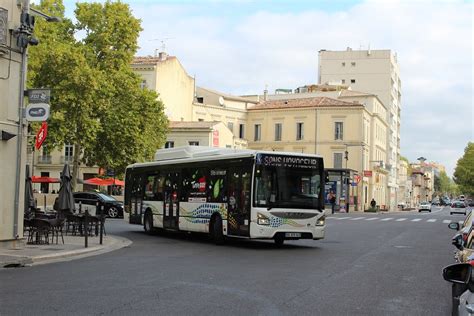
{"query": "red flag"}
(41, 135)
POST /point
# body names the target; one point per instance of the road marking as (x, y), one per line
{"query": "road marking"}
(416, 220)
(372, 219)
(386, 219)
(447, 221)
(432, 220)
(401, 219)
(343, 217)
(357, 218)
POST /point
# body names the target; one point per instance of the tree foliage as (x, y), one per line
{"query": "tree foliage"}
(443, 184)
(464, 172)
(97, 103)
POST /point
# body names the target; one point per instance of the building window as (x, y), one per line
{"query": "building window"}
(299, 131)
(353, 81)
(200, 120)
(353, 64)
(343, 64)
(143, 84)
(193, 143)
(278, 131)
(338, 131)
(68, 153)
(343, 81)
(200, 100)
(241, 130)
(258, 132)
(169, 144)
(338, 160)
(230, 126)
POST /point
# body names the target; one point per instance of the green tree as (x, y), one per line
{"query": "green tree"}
(464, 172)
(97, 103)
(443, 184)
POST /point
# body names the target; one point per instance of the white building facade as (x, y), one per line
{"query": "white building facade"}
(377, 72)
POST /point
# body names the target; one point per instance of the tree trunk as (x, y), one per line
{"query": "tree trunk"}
(75, 165)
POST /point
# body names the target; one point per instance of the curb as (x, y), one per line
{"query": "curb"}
(24, 260)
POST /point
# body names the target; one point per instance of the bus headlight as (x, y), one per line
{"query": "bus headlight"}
(321, 221)
(262, 219)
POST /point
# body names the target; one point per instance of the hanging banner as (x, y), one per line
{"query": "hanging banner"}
(41, 135)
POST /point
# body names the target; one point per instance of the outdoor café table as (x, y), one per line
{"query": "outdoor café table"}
(92, 223)
(40, 230)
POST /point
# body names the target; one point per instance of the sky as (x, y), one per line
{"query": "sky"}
(241, 46)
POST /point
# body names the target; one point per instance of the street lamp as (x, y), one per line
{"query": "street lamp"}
(24, 35)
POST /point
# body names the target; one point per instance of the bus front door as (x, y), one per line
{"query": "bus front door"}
(238, 221)
(136, 199)
(171, 203)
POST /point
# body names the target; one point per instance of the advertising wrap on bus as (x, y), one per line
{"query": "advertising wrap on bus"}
(234, 193)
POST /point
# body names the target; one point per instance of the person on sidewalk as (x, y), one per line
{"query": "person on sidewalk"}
(373, 204)
(332, 199)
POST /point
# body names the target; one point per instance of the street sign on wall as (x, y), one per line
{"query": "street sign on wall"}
(368, 173)
(41, 135)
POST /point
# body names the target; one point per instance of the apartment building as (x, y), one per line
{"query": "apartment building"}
(350, 137)
(376, 72)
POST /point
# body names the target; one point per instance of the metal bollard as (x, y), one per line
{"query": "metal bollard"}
(102, 219)
(86, 228)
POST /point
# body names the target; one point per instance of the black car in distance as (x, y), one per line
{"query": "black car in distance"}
(88, 200)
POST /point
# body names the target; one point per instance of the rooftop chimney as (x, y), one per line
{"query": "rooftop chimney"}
(265, 95)
(162, 56)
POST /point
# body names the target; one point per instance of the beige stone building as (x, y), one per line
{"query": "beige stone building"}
(200, 133)
(377, 72)
(328, 127)
(12, 136)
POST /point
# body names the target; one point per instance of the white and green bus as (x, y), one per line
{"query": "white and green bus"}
(228, 192)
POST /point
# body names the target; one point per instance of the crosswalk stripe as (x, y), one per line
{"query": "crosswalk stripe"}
(371, 219)
(386, 219)
(432, 220)
(416, 220)
(356, 218)
(401, 219)
(447, 221)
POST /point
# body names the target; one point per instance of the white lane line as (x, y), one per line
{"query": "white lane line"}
(447, 221)
(416, 220)
(371, 219)
(386, 219)
(344, 217)
(401, 219)
(432, 220)
(356, 218)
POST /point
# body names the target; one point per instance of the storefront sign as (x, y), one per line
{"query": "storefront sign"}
(368, 173)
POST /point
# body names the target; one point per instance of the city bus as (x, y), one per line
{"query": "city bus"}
(228, 193)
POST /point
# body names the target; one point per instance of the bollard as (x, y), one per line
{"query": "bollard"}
(102, 219)
(86, 229)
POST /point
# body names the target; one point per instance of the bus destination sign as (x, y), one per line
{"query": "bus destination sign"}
(286, 161)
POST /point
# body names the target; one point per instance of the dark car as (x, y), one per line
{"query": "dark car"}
(88, 200)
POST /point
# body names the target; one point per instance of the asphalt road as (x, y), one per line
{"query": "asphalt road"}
(368, 264)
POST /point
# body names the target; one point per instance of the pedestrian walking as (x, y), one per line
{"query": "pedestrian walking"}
(332, 199)
(373, 204)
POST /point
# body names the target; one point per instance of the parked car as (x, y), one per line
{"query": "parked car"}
(460, 275)
(463, 231)
(424, 206)
(458, 207)
(111, 207)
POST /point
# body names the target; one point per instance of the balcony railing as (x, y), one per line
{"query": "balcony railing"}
(66, 159)
(45, 159)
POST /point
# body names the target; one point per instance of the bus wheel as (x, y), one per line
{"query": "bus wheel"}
(279, 240)
(148, 223)
(216, 230)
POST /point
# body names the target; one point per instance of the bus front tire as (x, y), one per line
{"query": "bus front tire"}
(216, 230)
(148, 223)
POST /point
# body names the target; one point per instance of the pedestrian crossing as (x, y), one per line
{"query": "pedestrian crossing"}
(394, 219)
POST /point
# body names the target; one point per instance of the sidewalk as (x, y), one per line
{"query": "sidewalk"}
(73, 248)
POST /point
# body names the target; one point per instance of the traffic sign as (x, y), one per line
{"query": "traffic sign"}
(357, 178)
(41, 135)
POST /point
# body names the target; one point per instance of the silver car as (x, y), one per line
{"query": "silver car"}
(458, 207)
(424, 206)
(460, 275)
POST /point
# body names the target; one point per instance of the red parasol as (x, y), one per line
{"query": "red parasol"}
(104, 182)
(36, 179)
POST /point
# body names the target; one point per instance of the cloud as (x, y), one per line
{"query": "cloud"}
(239, 47)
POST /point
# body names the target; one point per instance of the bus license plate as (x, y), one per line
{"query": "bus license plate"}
(293, 235)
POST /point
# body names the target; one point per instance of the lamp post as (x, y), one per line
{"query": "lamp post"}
(24, 36)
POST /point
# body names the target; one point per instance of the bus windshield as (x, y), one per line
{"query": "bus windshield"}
(287, 187)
